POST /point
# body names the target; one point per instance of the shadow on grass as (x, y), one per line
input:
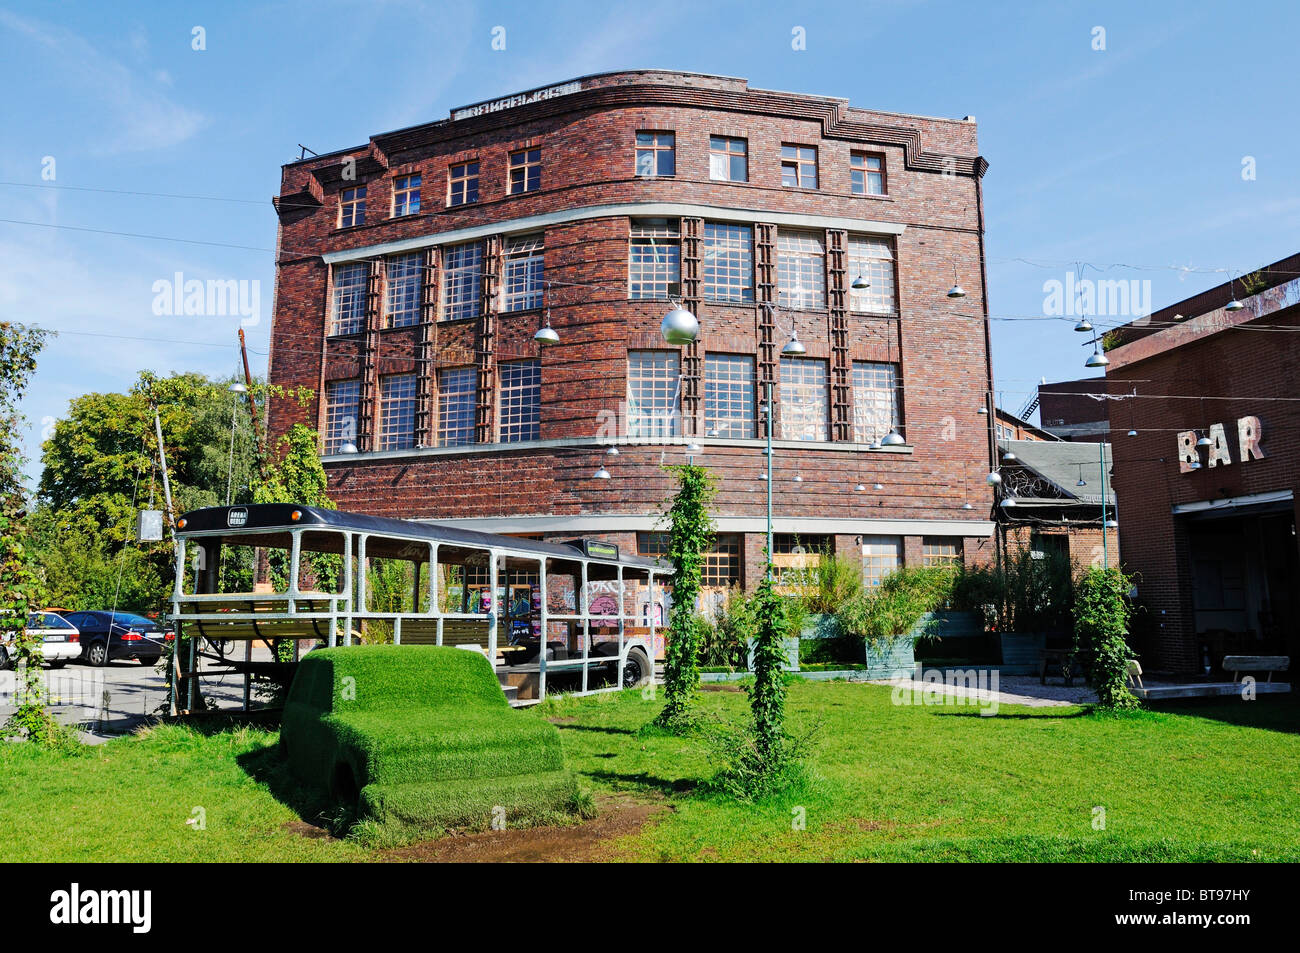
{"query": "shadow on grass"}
(643, 781)
(1267, 712)
(599, 729)
(265, 766)
(975, 712)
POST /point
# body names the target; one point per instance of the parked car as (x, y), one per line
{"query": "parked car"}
(59, 639)
(107, 637)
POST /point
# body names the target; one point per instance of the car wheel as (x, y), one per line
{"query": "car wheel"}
(146, 661)
(58, 663)
(4, 659)
(634, 669)
(97, 654)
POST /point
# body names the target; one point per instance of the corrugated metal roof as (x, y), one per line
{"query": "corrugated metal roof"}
(1062, 463)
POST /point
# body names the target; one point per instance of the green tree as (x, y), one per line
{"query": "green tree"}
(296, 476)
(100, 467)
(19, 584)
(690, 534)
(1101, 617)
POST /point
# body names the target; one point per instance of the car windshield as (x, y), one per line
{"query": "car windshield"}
(47, 620)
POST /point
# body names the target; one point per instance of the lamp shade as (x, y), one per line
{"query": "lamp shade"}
(679, 327)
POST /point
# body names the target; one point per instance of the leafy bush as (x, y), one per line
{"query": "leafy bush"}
(1101, 617)
(1023, 595)
(827, 585)
(897, 605)
(724, 641)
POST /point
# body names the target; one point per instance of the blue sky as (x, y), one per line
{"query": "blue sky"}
(1128, 158)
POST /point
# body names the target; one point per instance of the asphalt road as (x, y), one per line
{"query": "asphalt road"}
(119, 697)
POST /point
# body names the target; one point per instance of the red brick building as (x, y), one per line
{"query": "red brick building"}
(414, 271)
(1208, 485)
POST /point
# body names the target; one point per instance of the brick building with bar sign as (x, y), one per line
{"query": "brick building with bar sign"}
(415, 272)
(1208, 484)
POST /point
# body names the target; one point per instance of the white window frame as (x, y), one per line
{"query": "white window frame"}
(398, 397)
(729, 389)
(872, 257)
(875, 400)
(462, 281)
(340, 424)
(805, 399)
(727, 250)
(653, 394)
(519, 403)
(404, 283)
(522, 272)
(351, 286)
(801, 269)
(456, 421)
(406, 197)
(654, 261)
(352, 206)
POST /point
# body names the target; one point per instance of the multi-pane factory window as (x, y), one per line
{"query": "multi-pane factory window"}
(397, 397)
(653, 380)
(875, 400)
(525, 171)
(872, 259)
(867, 173)
(652, 544)
(406, 195)
(729, 395)
(352, 207)
(937, 552)
(656, 153)
(349, 305)
(722, 562)
(462, 183)
(456, 388)
(799, 166)
(805, 402)
(728, 159)
(654, 258)
(462, 267)
(881, 555)
(342, 405)
(405, 275)
(523, 273)
(796, 544)
(521, 400)
(728, 262)
(801, 269)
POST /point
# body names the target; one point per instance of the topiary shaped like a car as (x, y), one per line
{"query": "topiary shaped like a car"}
(421, 738)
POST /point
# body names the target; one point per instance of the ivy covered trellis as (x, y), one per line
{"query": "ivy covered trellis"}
(690, 535)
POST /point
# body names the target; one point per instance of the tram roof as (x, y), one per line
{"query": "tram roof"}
(260, 518)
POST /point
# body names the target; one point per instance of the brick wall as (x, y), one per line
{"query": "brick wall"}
(587, 160)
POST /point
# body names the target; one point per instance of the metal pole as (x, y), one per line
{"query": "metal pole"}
(769, 480)
(1105, 556)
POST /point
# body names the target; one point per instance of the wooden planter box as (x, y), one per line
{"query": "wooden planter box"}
(1022, 652)
(891, 658)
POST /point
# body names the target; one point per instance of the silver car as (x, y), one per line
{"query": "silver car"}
(60, 640)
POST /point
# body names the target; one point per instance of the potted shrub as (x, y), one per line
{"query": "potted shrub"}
(1026, 598)
(889, 620)
(821, 590)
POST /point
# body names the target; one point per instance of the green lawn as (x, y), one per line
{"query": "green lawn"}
(1218, 781)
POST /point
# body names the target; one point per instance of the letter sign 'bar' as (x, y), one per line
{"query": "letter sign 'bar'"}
(1249, 433)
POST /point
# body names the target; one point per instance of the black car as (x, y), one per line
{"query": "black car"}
(133, 637)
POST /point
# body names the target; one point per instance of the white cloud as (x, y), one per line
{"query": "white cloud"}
(136, 116)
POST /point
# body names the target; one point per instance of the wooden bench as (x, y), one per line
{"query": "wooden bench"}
(279, 624)
(1231, 663)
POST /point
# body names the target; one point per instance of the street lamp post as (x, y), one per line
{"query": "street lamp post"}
(236, 388)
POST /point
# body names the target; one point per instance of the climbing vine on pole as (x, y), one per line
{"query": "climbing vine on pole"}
(690, 535)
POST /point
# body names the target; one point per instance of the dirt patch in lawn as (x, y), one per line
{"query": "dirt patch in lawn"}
(618, 815)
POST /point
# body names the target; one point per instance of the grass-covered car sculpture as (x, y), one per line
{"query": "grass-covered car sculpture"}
(421, 739)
